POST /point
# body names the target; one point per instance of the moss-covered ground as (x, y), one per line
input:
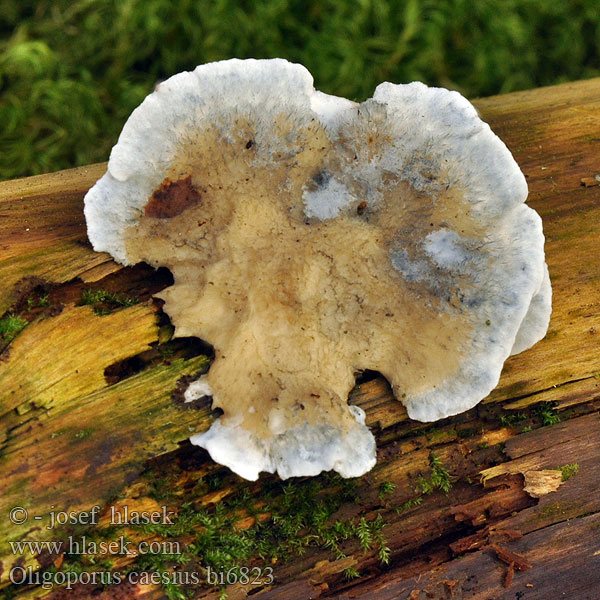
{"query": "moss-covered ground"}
(71, 71)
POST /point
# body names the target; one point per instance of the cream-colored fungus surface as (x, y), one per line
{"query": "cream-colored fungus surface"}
(310, 238)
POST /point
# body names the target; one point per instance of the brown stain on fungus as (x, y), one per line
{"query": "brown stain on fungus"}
(171, 198)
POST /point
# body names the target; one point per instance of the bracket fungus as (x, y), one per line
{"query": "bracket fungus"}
(311, 237)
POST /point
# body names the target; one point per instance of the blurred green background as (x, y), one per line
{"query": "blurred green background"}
(71, 71)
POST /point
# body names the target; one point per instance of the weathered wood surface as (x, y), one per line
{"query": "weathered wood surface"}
(89, 402)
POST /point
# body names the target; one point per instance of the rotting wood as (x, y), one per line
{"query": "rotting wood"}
(83, 439)
(564, 564)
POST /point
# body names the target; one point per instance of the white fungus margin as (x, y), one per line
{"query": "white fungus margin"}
(310, 238)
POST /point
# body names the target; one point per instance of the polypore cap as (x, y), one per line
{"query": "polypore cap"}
(311, 237)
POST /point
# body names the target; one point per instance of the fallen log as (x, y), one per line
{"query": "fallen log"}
(91, 415)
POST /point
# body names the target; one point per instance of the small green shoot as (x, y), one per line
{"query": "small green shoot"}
(411, 503)
(386, 488)
(369, 534)
(40, 302)
(376, 531)
(363, 533)
(351, 573)
(569, 470)
(438, 480)
(548, 415)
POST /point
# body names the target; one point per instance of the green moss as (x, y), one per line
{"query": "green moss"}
(302, 516)
(164, 563)
(569, 470)
(351, 573)
(386, 488)
(411, 503)
(439, 478)
(548, 415)
(383, 552)
(90, 296)
(82, 434)
(38, 302)
(436, 436)
(512, 418)
(68, 83)
(550, 511)
(370, 534)
(159, 488)
(104, 302)
(10, 326)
